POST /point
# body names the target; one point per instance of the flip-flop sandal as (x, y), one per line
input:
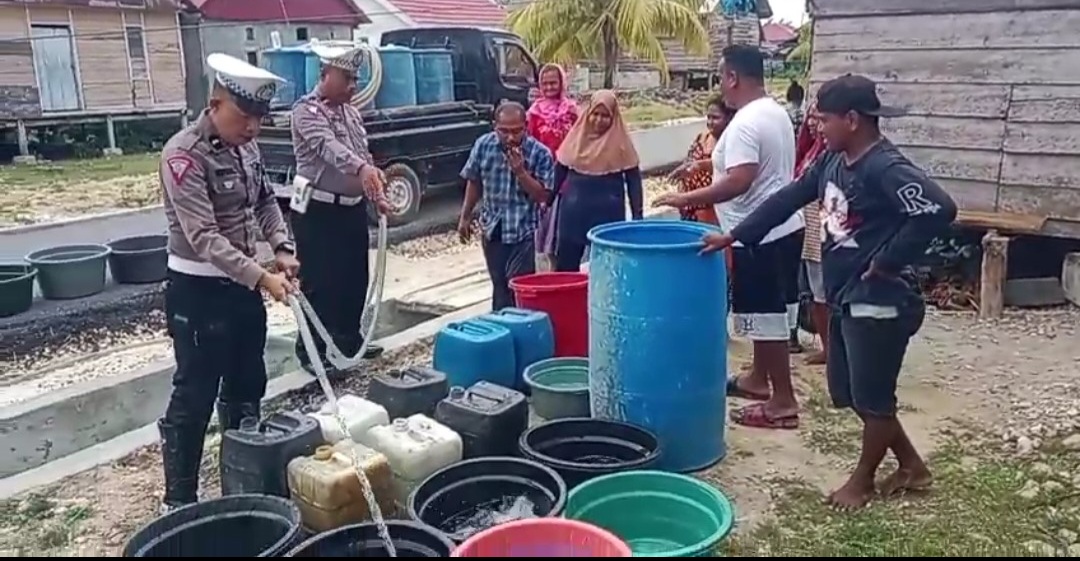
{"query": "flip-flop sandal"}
(733, 390)
(755, 417)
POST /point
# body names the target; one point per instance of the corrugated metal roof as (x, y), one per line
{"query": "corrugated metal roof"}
(343, 12)
(478, 13)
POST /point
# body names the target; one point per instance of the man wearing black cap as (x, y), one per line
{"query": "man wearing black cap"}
(879, 213)
(217, 202)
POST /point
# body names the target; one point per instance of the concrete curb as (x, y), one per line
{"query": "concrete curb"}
(121, 446)
(16, 230)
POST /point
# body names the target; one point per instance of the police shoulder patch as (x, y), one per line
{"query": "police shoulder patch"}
(179, 165)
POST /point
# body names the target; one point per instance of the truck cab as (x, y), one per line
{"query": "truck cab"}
(425, 146)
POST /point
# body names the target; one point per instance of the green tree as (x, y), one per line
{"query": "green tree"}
(568, 31)
(802, 51)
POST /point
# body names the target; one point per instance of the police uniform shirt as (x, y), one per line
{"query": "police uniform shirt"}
(216, 196)
(330, 141)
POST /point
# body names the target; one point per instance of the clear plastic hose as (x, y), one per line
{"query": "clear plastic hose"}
(303, 312)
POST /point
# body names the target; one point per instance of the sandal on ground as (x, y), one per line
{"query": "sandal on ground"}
(755, 417)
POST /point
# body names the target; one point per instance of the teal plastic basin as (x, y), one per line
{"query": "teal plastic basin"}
(658, 514)
(559, 387)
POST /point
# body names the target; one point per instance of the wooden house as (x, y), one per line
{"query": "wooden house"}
(992, 88)
(85, 60)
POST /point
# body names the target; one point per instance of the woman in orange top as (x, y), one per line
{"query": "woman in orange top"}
(697, 171)
(809, 144)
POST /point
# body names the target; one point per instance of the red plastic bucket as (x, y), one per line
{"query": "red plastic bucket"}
(544, 537)
(565, 299)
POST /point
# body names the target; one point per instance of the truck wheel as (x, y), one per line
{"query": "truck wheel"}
(404, 191)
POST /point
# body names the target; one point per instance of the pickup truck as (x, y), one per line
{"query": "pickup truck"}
(425, 146)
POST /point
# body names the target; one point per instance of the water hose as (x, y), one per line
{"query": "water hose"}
(369, 319)
(367, 95)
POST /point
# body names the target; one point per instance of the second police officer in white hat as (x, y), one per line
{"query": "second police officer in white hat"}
(337, 179)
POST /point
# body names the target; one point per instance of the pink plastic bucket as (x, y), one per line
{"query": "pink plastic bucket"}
(544, 537)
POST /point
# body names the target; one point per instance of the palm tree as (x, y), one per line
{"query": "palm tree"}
(801, 52)
(568, 31)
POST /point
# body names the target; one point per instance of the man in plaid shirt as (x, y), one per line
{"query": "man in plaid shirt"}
(510, 174)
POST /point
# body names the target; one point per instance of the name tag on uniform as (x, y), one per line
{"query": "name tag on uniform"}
(301, 195)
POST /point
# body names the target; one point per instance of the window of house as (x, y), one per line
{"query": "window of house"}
(301, 34)
(136, 47)
(249, 33)
(253, 58)
(515, 65)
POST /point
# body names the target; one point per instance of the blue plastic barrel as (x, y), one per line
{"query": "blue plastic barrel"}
(658, 337)
(434, 75)
(290, 63)
(363, 78)
(398, 87)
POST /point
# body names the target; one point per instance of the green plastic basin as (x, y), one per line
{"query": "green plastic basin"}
(16, 289)
(659, 514)
(559, 387)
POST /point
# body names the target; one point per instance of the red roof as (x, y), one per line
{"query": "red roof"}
(343, 12)
(467, 13)
(776, 33)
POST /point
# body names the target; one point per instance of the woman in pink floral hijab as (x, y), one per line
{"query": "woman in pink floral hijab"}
(549, 120)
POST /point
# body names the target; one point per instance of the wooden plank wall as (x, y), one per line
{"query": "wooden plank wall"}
(19, 96)
(166, 59)
(103, 60)
(993, 100)
(109, 79)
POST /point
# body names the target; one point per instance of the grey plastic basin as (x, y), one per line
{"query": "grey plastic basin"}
(70, 271)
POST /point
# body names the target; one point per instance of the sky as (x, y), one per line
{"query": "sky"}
(793, 11)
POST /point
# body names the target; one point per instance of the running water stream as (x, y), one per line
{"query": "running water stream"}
(302, 308)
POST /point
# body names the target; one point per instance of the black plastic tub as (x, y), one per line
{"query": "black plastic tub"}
(411, 539)
(139, 259)
(16, 289)
(584, 449)
(235, 526)
(468, 497)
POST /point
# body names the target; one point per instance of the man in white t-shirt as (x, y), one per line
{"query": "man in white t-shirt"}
(755, 158)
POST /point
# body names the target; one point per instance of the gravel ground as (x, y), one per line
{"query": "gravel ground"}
(101, 353)
(1006, 380)
(449, 243)
(95, 512)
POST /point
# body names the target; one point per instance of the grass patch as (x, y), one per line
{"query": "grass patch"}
(96, 169)
(826, 429)
(38, 523)
(646, 114)
(982, 505)
(31, 194)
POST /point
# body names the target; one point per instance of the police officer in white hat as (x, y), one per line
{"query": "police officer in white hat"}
(336, 180)
(218, 204)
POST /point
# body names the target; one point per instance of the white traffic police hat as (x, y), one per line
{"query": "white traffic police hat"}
(252, 87)
(345, 55)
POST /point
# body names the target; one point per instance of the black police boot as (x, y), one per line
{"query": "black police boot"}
(305, 360)
(181, 453)
(373, 351)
